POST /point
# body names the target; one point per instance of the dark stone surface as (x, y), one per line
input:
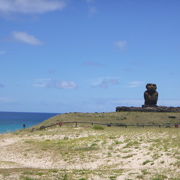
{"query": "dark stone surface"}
(148, 109)
(150, 95)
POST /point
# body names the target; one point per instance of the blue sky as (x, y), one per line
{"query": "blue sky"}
(87, 55)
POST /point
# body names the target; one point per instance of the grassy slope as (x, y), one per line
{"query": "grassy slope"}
(129, 118)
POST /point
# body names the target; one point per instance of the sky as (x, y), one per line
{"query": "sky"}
(87, 55)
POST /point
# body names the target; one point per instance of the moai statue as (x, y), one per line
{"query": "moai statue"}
(150, 95)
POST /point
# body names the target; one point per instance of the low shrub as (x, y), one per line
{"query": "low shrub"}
(98, 127)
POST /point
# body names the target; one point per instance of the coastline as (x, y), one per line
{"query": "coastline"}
(13, 121)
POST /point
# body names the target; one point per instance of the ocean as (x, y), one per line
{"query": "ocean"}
(12, 121)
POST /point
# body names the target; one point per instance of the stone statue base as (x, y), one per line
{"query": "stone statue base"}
(145, 108)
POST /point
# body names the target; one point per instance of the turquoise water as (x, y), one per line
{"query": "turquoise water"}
(12, 121)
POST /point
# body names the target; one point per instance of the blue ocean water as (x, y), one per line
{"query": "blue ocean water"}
(12, 121)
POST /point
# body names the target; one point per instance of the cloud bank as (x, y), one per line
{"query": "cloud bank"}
(26, 38)
(50, 83)
(30, 6)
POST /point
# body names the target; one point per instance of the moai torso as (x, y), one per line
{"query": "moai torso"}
(150, 95)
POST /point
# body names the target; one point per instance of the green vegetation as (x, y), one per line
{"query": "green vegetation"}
(146, 162)
(97, 127)
(159, 177)
(120, 118)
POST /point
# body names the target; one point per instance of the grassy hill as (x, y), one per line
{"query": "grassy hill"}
(128, 118)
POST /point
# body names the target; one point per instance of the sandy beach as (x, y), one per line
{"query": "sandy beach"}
(119, 152)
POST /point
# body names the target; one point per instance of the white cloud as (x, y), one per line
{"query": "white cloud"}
(66, 85)
(135, 84)
(105, 82)
(2, 52)
(26, 38)
(30, 6)
(122, 44)
(50, 83)
(43, 83)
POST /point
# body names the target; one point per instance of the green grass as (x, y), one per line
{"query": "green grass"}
(98, 127)
(159, 177)
(146, 162)
(129, 118)
(32, 174)
(128, 156)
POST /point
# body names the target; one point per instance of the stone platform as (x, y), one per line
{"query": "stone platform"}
(148, 109)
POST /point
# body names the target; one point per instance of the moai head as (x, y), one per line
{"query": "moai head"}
(150, 95)
(151, 88)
